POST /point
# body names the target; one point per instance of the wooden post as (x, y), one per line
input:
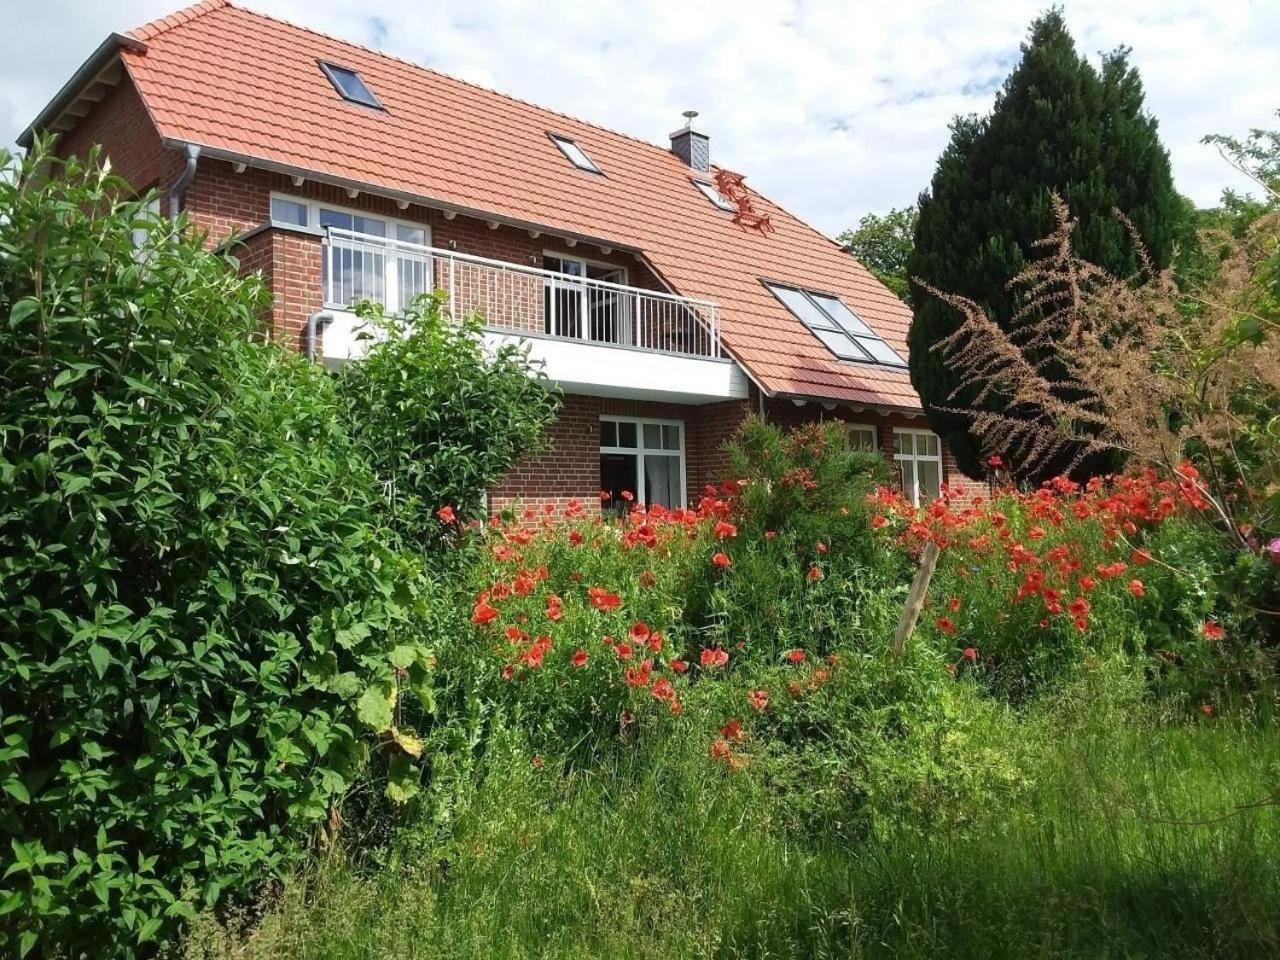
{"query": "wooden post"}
(915, 600)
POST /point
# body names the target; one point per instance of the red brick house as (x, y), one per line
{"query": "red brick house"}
(664, 297)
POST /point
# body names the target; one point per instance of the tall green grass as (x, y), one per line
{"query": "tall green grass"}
(1132, 838)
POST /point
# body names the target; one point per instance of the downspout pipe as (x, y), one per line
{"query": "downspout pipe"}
(313, 324)
(184, 180)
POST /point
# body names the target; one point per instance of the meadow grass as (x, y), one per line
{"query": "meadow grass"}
(1132, 838)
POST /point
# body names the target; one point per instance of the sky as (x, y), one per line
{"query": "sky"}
(833, 109)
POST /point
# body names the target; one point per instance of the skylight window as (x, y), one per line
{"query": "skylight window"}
(577, 156)
(711, 193)
(842, 331)
(350, 85)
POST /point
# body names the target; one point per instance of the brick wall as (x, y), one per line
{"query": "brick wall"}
(121, 124)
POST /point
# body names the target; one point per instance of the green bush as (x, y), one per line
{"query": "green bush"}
(440, 417)
(200, 611)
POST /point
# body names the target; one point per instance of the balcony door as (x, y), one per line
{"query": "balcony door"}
(580, 308)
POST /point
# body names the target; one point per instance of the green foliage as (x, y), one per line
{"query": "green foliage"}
(883, 245)
(1100, 854)
(1059, 125)
(806, 570)
(441, 418)
(201, 616)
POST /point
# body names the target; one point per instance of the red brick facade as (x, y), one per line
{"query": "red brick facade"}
(226, 204)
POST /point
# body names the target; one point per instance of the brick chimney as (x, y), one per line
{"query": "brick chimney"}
(692, 146)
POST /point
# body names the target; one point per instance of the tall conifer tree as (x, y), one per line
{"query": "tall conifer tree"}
(1058, 124)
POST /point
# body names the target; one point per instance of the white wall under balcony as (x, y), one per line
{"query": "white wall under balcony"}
(592, 369)
(602, 370)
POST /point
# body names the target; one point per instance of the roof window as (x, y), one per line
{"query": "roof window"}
(577, 156)
(350, 85)
(715, 196)
(842, 331)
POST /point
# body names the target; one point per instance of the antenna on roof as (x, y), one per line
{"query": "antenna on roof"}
(689, 117)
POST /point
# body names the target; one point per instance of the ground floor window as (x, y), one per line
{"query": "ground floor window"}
(862, 436)
(918, 456)
(644, 458)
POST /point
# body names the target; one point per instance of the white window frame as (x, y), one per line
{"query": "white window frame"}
(718, 200)
(916, 458)
(875, 433)
(391, 285)
(639, 449)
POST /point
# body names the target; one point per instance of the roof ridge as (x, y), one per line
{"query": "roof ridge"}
(158, 26)
(439, 73)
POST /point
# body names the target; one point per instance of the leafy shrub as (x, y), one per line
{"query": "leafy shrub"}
(440, 417)
(806, 570)
(200, 610)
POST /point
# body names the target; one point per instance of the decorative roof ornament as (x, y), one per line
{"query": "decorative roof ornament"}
(730, 185)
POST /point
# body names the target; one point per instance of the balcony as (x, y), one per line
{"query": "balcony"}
(517, 299)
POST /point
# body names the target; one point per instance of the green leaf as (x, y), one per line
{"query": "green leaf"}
(101, 657)
(374, 707)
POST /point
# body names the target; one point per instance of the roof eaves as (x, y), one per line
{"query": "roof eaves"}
(261, 163)
(89, 71)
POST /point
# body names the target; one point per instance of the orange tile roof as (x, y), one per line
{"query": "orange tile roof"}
(245, 83)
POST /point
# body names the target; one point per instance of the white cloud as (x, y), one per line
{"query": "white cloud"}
(833, 109)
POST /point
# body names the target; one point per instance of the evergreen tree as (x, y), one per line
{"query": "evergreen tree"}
(1058, 124)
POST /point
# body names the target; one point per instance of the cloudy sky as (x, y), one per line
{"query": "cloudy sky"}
(834, 109)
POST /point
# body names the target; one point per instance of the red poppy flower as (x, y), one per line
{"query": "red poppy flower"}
(638, 676)
(732, 730)
(796, 656)
(663, 690)
(720, 749)
(1206, 709)
(1137, 589)
(953, 604)
(627, 495)
(579, 658)
(554, 611)
(624, 651)
(640, 631)
(771, 534)
(970, 654)
(484, 612)
(508, 672)
(995, 462)
(879, 520)
(446, 515)
(721, 560)
(1213, 630)
(605, 496)
(821, 548)
(575, 538)
(679, 666)
(815, 572)
(759, 699)
(945, 625)
(725, 530)
(714, 657)
(603, 599)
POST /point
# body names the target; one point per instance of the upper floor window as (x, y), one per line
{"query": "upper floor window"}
(350, 85)
(577, 156)
(709, 191)
(842, 331)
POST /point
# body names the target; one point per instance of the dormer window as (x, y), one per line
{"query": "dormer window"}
(577, 156)
(840, 329)
(711, 193)
(350, 85)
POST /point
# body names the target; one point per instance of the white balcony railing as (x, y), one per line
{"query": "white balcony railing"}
(516, 298)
